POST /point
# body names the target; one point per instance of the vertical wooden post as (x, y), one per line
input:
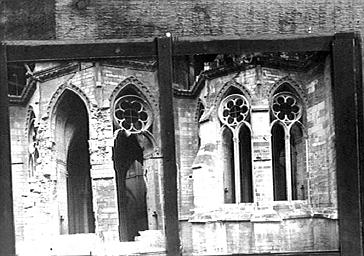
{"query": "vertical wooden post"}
(164, 46)
(7, 236)
(360, 100)
(347, 130)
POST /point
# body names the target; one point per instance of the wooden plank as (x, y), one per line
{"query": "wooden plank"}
(191, 46)
(323, 253)
(7, 235)
(347, 159)
(168, 145)
(29, 51)
(360, 118)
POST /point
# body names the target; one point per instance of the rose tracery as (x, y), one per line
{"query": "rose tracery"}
(286, 107)
(233, 110)
(132, 114)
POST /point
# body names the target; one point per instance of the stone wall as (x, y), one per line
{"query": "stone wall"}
(102, 19)
(264, 225)
(38, 199)
(65, 19)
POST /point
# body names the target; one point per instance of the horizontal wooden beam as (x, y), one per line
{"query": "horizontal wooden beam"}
(55, 50)
(211, 45)
(318, 253)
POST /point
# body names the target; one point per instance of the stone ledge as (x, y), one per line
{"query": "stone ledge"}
(269, 212)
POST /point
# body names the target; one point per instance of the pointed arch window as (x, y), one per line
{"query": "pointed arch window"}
(132, 116)
(288, 147)
(234, 114)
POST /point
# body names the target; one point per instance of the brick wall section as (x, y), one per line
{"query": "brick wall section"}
(140, 18)
(29, 20)
(321, 157)
(102, 19)
(187, 138)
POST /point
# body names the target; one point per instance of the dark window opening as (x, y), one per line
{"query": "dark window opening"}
(298, 167)
(246, 185)
(131, 189)
(279, 163)
(229, 173)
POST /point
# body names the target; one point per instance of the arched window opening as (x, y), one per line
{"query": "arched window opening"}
(246, 186)
(228, 159)
(132, 118)
(298, 166)
(234, 113)
(279, 163)
(32, 145)
(128, 164)
(199, 114)
(288, 146)
(200, 109)
(73, 165)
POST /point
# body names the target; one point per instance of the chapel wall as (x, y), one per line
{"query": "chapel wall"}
(42, 201)
(265, 225)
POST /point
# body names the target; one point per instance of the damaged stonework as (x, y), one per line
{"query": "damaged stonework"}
(74, 191)
(255, 157)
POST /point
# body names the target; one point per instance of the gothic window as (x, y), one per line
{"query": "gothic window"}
(288, 147)
(236, 144)
(132, 116)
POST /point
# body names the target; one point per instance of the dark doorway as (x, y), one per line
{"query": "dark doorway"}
(72, 132)
(128, 164)
(80, 212)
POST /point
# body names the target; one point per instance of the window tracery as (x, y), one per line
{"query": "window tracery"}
(288, 147)
(233, 110)
(236, 143)
(286, 108)
(132, 114)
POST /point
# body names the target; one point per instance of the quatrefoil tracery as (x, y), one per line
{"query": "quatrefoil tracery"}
(132, 114)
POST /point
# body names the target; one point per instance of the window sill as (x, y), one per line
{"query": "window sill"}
(276, 211)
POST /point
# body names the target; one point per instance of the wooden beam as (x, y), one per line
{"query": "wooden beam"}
(360, 120)
(32, 51)
(360, 100)
(56, 50)
(168, 145)
(211, 45)
(347, 143)
(7, 235)
(322, 253)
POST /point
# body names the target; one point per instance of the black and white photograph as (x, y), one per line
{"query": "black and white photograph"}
(181, 128)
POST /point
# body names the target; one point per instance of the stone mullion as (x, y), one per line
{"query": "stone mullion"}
(287, 141)
(237, 167)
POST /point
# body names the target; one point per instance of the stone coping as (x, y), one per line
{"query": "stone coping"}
(276, 211)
